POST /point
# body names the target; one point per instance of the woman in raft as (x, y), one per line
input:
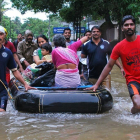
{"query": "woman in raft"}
(37, 55)
(66, 61)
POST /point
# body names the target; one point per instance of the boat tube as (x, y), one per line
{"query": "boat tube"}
(60, 99)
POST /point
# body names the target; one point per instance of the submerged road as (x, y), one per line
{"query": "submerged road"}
(117, 124)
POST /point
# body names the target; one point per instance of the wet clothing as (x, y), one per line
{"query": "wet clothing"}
(60, 55)
(106, 83)
(134, 88)
(6, 60)
(3, 99)
(97, 56)
(129, 52)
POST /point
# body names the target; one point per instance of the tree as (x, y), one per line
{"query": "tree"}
(74, 10)
(10, 27)
(38, 5)
(38, 26)
(18, 24)
(125, 7)
(1, 9)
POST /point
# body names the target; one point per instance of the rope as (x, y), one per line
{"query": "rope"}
(16, 86)
(6, 89)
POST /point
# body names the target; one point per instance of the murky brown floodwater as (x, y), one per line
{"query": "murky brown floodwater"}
(117, 124)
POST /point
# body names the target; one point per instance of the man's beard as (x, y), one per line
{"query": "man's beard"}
(20, 39)
(129, 34)
(67, 38)
(96, 37)
(30, 40)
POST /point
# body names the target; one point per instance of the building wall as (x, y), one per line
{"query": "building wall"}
(111, 33)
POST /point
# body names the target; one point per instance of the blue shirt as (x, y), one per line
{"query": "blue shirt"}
(69, 43)
(97, 56)
(6, 60)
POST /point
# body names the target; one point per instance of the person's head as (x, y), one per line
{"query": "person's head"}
(96, 32)
(28, 36)
(128, 25)
(59, 41)
(46, 49)
(19, 37)
(2, 34)
(6, 33)
(88, 34)
(41, 40)
(67, 33)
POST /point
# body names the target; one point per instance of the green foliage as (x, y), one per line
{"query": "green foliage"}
(37, 26)
(2, 9)
(108, 9)
(74, 10)
(10, 26)
(38, 5)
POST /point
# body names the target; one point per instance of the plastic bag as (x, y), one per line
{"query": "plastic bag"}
(45, 80)
(45, 66)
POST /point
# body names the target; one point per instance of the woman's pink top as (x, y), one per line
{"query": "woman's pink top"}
(62, 55)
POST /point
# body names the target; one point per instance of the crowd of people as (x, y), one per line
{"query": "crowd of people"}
(88, 58)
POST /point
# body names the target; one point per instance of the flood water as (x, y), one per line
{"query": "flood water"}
(117, 124)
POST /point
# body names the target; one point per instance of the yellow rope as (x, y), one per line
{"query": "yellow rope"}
(42, 102)
(16, 86)
(99, 103)
(6, 89)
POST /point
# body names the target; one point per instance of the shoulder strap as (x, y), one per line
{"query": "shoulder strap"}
(39, 54)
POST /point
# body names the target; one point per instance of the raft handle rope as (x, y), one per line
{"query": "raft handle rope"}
(15, 85)
(6, 89)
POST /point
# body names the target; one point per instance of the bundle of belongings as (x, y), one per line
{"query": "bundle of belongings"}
(40, 76)
(29, 73)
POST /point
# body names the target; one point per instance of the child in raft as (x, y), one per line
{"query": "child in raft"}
(46, 50)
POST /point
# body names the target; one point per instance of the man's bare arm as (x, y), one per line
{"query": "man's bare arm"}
(103, 75)
(19, 77)
(18, 62)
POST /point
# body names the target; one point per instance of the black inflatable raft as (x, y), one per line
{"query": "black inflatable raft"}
(54, 99)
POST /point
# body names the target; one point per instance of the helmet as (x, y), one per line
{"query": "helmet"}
(6, 33)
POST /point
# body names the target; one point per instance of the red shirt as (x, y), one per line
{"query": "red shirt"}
(129, 52)
(11, 47)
